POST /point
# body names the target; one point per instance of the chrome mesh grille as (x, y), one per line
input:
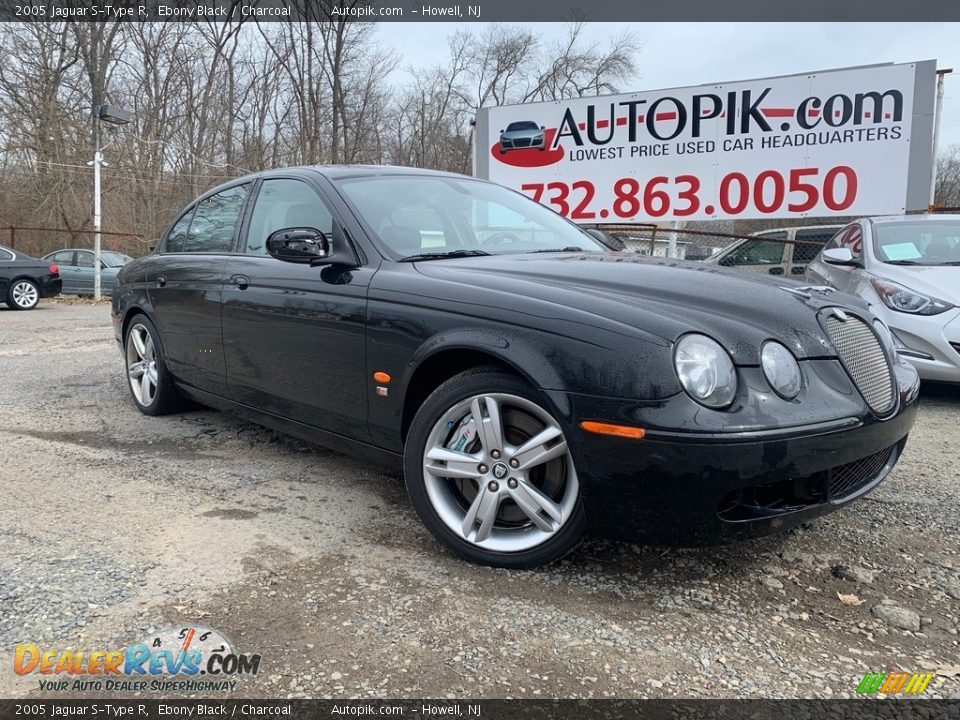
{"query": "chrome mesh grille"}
(847, 479)
(865, 360)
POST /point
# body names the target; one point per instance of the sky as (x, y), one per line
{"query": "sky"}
(679, 54)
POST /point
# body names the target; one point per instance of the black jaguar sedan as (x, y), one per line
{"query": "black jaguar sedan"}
(532, 383)
(24, 279)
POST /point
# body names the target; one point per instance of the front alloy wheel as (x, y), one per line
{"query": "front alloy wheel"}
(23, 295)
(496, 481)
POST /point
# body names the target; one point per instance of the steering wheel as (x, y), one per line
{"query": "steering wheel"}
(501, 238)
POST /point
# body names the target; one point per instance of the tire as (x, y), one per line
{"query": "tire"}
(508, 506)
(150, 383)
(23, 294)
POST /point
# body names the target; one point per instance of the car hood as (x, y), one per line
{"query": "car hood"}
(941, 282)
(663, 297)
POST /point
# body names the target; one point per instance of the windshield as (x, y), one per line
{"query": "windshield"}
(114, 259)
(917, 243)
(430, 215)
(523, 125)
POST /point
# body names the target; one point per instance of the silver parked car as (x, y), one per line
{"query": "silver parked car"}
(76, 269)
(522, 135)
(908, 269)
(783, 251)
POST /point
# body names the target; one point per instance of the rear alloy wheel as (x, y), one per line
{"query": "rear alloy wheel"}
(23, 295)
(490, 473)
(151, 386)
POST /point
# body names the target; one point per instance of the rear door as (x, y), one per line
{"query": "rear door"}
(66, 261)
(294, 335)
(764, 254)
(185, 284)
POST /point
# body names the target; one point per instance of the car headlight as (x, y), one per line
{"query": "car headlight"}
(897, 297)
(781, 369)
(705, 370)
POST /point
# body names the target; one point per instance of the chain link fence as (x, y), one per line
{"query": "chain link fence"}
(39, 241)
(779, 251)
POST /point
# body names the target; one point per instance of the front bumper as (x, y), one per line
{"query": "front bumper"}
(932, 342)
(694, 488)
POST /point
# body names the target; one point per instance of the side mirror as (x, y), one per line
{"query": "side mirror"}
(839, 256)
(543, 127)
(501, 131)
(299, 245)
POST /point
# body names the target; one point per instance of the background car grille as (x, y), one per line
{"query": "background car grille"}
(847, 479)
(522, 142)
(865, 360)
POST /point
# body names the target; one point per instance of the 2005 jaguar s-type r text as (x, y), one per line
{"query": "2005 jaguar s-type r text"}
(532, 383)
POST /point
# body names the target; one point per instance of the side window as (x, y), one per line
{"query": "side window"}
(64, 257)
(282, 204)
(215, 220)
(178, 233)
(5, 256)
(807, 244)
(84, 259)
(757, 252)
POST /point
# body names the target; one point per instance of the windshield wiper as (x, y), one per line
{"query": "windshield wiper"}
(569, 248)
(903, 262)
(442, 255)
(949, 262)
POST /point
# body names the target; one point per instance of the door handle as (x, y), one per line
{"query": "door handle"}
(776, 271)
(161, 281)
(241, 281)
(797, 270)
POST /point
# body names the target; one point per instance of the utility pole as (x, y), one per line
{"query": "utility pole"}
(116, 116)
(97, 161)
(938, 109)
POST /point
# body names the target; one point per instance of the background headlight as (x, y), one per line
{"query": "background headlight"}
(781, 369)
(705, 370)
(897, 297)
(886, 339)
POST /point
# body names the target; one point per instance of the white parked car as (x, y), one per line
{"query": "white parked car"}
(908, 269)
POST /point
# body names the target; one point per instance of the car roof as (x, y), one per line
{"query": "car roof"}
(336, 172)
(913, 218)
(799, 227)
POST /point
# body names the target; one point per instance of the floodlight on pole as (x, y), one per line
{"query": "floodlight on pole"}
(115, 116)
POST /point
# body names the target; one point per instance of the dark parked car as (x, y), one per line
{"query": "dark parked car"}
(531, 382)
(524, 134)
(24, 279)
(76, 268)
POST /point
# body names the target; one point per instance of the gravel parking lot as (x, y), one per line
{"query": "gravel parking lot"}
(114, 524)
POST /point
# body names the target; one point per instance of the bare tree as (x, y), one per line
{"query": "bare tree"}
(948, 178)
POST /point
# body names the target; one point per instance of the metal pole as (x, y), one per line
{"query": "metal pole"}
(672, 239)
(938, 111)
(97, 161)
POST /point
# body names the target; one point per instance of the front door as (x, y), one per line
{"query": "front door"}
(294, 336)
